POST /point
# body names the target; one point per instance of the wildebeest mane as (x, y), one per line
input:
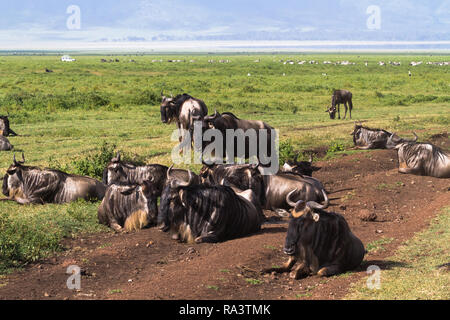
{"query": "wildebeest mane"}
(231, 114)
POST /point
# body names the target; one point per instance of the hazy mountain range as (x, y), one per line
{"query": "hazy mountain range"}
(161, 20)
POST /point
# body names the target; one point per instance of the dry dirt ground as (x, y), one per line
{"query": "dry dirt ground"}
(149, 265)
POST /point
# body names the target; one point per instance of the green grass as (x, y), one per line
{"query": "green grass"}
(414, 272)
(377, 245)
(78, 116)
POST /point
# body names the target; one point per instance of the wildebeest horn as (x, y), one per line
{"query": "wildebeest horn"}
(415, 136)
(162, 94)
(288, 198)
(23, 157)
(118, 156)
(168, 172)
(315, 205)
(176, 183)
(14, 158)
(310, 158)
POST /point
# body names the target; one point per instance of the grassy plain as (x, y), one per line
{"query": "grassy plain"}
(66, 116)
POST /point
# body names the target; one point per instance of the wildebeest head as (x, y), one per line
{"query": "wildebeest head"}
(300, 167)
(171, 207)
(167, 108)
(214, 121)
(302, 216)
(13, 180)
(394, 141)
(332, 111)
(114, 171)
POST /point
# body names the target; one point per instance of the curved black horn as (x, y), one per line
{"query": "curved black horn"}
(118, 156)
(168, 172)
(14, 158)
(176, 183)
(23, 158)
(415, 136)
(315, 205)
(288, 198)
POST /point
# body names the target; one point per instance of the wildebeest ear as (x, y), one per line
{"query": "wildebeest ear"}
(181, 193)
(316, 217)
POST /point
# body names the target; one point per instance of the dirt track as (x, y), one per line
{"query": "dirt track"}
(149, 265)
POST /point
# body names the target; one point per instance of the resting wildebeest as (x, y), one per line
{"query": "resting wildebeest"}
(26, 184)
(121, 172)
(242, 176)
(5, 129)
(278, 186)
(300, 167)
(129, 207)
(201, 213)
(423, 159)
(5, 144)
(367, 138)
(338, 97)
(182, 109)
(249, 128)
(321, 241)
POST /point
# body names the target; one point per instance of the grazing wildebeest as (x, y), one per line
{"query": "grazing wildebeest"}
(129, 207)
(321, 241)
(5, 144)
(279, 185)
(5, 129)
(120, 172)
(26, 184)
(300, 167)
(423, 159)
(201, 213)
(242, 176)
(338, 97)
(182, 109)
(227, 120)
(367, 138)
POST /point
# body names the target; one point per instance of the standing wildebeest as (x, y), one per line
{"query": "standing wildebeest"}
(5, 129)
(5, 144)
(182, 109)
(366, 138)
(321, 241)
(227, 120)
(25, 184)
(423, 159)
(300, 167)
(202, 213)
(338, 97)
(129, 207)
(121, 172)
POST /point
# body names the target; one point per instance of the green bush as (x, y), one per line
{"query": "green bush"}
(336, 146)
(286, 151)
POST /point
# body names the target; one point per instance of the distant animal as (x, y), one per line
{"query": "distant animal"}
(5, 145)
(300, 167)
(201, 213)
(129, 207)
(182, 109)
(120, 172)
(26, 184)
(320, 241)
(227, 120)
(5, 129)
(338, 97)
(48, 70)
(423, 159)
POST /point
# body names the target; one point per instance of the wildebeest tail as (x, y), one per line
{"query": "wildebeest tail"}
(350, 104)
(136, 221)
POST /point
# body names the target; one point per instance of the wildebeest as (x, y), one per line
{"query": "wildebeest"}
(120, 172)
(27, 184)
(320, 241)
(5, 144)
(201, 213)
(338, 97)
(367, 138)
(242, 176)
(227, 120)
(129, 207)
(300, 167)
(182, 109)
(278, 186)
(423, 159)
(5, 129)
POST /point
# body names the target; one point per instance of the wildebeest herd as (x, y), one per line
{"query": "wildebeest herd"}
(224, 201)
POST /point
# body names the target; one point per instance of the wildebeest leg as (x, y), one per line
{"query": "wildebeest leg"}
(345, 105)
(12, 133)
(285, 268)
(301, 271)
(403, 168)
(339, 111)
(209, 238)
(329, 271)
(116, 226)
